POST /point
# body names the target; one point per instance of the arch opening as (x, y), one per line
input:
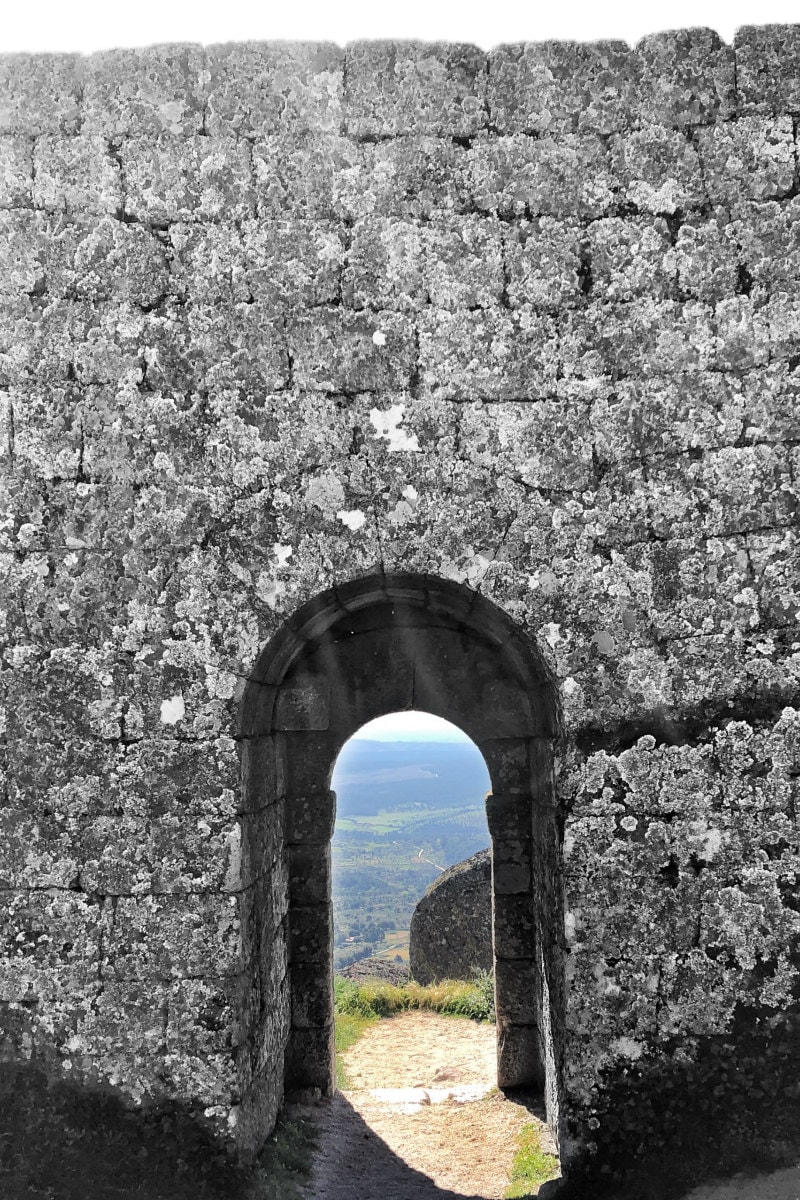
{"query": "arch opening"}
(410, 803)
(378, 645)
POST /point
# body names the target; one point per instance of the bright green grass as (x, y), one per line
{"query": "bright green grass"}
(453, 997)
(531, 1166)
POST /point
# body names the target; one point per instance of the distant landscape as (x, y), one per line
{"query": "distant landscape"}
(405, 810)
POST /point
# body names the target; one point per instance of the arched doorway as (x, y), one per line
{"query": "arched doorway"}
(373, 646)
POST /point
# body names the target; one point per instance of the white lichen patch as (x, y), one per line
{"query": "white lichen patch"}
(386, 426)
(172, 710)
(269, 590)
(221, 684)
(552, 634)
(627, 1047)
(325, 493)
(708, 841)
(352, 518)
(405, 508)
(233, 874)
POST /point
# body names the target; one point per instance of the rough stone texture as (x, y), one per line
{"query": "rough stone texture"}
(451, 929)
(277, 318)
(368, 970)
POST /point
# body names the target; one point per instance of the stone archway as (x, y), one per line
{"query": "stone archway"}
(373, 646)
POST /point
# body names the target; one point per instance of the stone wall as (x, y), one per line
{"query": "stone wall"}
(278, 317)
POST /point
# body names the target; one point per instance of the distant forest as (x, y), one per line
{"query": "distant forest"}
(404, 810)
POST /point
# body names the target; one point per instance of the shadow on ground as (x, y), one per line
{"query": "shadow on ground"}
(62, 1141)
(353, 1161)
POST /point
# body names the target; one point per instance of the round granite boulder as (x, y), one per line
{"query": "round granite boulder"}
(451, 929)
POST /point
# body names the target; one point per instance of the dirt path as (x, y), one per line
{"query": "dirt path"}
(422, 1120)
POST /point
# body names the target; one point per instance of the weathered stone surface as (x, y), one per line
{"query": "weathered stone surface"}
(279, 318)
(151, 91)
(658, 170)
(172, 178)
(767, 74)
(451, 929)
(543, 264)
(749, 159)
(414, 87)
(40, 93)
(687, 77)
(565, 176)
(256, 88)
(544, 87)
(405, 265)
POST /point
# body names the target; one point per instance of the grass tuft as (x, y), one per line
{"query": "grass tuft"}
(284, 1165)
(532, 1166)
(454, 997)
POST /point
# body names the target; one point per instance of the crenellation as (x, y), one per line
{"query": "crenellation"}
(40, 94)
(687, 78)
(420, 88)
(768, 69)
(546, 88)
(256, 89)
(150, 92)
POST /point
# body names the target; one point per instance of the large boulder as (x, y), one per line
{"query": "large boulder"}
(451, 929)
(375, 970)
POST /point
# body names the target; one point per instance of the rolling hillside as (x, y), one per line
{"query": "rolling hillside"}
(405, 809)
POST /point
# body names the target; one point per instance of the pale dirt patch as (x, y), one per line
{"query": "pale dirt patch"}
(422, 1049)
(409, 1148)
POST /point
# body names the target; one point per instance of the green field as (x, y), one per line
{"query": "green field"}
(382, 865)
(404, 811)
(415, 818)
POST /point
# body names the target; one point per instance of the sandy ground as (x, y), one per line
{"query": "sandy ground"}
(422, 1120)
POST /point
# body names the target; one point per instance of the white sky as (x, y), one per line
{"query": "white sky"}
(87, 25)
(410, 727)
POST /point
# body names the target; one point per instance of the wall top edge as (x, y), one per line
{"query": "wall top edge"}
(744, 35)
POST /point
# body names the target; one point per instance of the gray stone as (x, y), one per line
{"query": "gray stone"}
(451, 929)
